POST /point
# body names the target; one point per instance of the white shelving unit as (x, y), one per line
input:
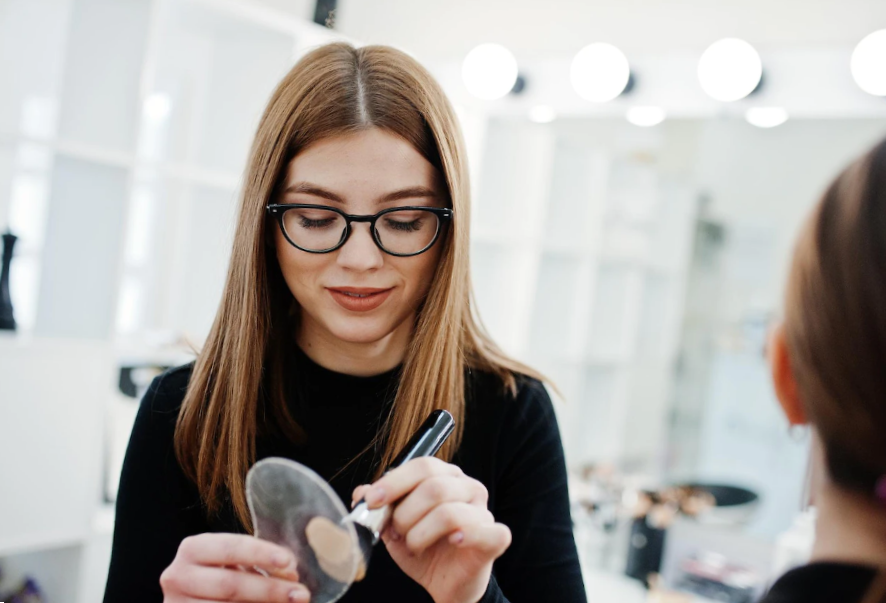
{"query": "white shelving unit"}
(580, 255)
(124, 130)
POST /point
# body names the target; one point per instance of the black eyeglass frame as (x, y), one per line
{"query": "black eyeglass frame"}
(278, 209)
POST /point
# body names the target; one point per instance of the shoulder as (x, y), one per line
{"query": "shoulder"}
(508, 433)
(150, 456)
(488, 393)
(165, 395)
(822, 581)
(505, 418)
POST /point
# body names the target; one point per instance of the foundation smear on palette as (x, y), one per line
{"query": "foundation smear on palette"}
(334, 550)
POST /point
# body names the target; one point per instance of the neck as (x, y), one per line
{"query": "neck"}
(361, 359)
(851, 527)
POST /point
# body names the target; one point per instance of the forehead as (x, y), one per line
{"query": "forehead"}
(371, 159)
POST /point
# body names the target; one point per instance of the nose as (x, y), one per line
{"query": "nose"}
(360, 253)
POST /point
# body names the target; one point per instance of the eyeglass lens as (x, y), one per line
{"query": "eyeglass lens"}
(403, 232)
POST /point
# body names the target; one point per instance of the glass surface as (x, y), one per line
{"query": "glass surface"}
(284, 496)
(401, 231)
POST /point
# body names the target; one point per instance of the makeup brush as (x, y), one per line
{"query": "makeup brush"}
(331, 543)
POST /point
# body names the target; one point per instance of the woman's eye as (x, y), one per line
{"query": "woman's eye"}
(306, 222)
(410, 226)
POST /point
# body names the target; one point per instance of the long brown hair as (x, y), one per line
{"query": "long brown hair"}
(836, 322)
(236, 389)
(835, 326)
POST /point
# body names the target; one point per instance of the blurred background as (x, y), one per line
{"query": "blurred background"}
(640, 169)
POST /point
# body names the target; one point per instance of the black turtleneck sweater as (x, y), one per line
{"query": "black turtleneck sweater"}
(822, 583)
(511, 444)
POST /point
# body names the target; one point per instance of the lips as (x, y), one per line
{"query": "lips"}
(359, 299)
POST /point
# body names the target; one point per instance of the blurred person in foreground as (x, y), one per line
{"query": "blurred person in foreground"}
(829, 367)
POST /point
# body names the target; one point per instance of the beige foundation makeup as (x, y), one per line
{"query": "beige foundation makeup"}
(295, 507)
(334, 549)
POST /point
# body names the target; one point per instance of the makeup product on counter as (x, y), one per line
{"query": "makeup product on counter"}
(7, 317)
(294, 507)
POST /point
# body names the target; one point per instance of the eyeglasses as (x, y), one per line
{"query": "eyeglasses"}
(399, 231)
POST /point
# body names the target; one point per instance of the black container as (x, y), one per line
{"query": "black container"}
(645, 550)
(7, 319)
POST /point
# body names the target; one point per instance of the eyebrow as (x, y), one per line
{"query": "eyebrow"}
(411, 192)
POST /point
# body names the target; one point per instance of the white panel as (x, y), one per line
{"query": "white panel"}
(614, 316)
(33, 34)
(202, 261)
(104, 55)
(82, 250)
(215, 72)
(558, 308)
(513, 189)
(52, 395)
(7, 170)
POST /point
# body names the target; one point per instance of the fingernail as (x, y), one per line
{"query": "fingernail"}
(457, 538)
(299, 596)
(375, 496)
(283, 560)
(290, 572)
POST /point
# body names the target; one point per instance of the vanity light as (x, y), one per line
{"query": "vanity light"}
(766, 117)
(600, 72)
(730, 70)
(489, 71)
(868, 63)
(646, 116)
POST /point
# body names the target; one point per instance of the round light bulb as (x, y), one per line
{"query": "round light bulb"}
(542, 114)
(646, 116)
(730, 69)
(868, 63)
(600, 72)
(489, 71)
(766, 117)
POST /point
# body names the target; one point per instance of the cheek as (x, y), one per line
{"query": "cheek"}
(420, 272)
(297, 266)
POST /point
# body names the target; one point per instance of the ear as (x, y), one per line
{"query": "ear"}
(783, 377)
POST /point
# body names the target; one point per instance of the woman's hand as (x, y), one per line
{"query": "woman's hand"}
(211, 567)
(441, 534)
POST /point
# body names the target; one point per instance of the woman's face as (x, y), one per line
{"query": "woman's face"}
(359, 294)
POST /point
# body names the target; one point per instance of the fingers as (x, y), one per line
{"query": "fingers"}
(235, 549)
(359, 493)
(433, 492)
(290, 573)
(464, 525)
(399, 482)
(493, 539)
(218, 584)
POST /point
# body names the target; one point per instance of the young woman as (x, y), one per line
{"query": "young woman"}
(345, 320)
(829, 368)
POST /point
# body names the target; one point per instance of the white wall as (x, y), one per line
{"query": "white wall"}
(440, 29)
(763, 183)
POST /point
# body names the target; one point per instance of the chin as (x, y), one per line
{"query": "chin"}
(361, 330)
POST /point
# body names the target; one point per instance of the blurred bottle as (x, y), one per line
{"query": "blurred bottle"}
(793, 547)
(28, 593)
(7, 318)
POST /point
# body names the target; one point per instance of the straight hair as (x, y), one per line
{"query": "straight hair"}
(835, 326)
(835, 322)
(235, 393)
